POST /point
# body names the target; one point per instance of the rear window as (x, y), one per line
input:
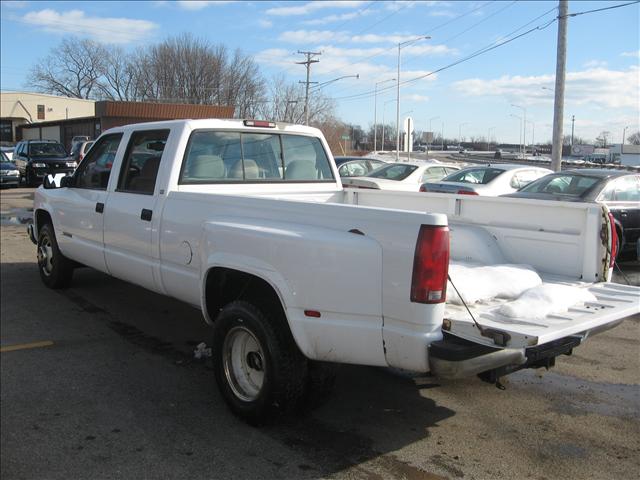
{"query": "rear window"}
(47, 150)
(572, 185)
(478, 176)
(393, 172)
(228, 157)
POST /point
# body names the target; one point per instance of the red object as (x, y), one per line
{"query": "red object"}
(430, 265)
(614, 240)
(259, 123)
(467, 192)
(312, 313)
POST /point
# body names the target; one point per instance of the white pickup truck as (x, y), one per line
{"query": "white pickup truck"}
(248, 221)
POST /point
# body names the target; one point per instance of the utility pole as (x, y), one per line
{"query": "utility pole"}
(558, 105)
(308, 63)
(573, 121)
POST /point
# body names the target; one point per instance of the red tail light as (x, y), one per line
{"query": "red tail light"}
(422, 189)
(614, 240)
(259, 123)
(430, 265)
(467, 192)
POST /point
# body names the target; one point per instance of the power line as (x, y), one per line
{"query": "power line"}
(481, 51)
(437, 27)
(602, 9)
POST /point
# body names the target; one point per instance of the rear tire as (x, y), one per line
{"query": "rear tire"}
(258, 367)
(56, 270)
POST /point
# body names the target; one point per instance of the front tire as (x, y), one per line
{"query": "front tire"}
(258, 367)
(56, 270)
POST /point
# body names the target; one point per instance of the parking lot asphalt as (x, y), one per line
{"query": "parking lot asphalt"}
(103, 384)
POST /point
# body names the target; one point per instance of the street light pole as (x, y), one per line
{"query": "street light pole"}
(375, 113)
(430, 130)
(524, 126)
(400, 45)
(383, 124)
(519, 128)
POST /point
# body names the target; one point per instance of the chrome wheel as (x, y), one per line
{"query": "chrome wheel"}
(45, 256)
(244, 363)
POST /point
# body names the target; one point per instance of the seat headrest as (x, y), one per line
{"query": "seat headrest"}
(206, 167)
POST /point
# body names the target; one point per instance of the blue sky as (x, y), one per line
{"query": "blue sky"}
(361, 37)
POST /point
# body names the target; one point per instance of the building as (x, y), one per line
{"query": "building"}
(31, 116)
(24, 108)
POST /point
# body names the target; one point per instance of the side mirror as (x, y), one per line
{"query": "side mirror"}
(67, 181)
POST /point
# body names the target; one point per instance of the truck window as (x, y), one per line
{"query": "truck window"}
(94, 170)
(224, 157)
(142, 161)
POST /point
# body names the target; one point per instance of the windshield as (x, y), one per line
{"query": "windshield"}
(7, 166)
(562, 184)
(47, 150)
(393, 172)
(480, 176)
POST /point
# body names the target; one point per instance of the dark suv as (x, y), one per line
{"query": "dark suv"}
(37, 158)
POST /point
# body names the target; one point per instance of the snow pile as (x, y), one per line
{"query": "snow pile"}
(477, 283)
(538, 302)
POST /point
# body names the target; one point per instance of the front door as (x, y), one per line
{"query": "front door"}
(79, 213)
(130, 217)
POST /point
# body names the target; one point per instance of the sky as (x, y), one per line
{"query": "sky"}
(474, 98)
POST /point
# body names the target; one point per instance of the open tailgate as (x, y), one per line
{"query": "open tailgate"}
(615, 303)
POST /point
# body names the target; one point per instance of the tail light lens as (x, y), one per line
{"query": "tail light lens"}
(422, 189)
(614, 240)
(430, 265)
(467, 192)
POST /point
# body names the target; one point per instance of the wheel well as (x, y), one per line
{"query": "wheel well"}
(42, 217)
(225, 285)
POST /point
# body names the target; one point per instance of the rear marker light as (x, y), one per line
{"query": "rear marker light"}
(430, 265)
(259, 123)
(312, 313)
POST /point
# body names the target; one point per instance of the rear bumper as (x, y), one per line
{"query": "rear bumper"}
(456, 358)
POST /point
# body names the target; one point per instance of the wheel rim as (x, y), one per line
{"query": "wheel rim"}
(45, 256)
(244, 363)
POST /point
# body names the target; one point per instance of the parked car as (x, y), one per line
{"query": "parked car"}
(618, 190)
(80, 149)
(406, 176)
(8, 151)
(9, 175)
(490, 180)
(37, 158)
(357, 166)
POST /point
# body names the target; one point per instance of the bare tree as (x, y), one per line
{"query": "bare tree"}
(634, 138)
(601, 140)
(73, 69)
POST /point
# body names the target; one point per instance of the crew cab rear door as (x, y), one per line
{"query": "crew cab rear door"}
(130, 219)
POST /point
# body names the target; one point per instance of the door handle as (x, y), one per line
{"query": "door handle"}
(146, 214)
(99, 207)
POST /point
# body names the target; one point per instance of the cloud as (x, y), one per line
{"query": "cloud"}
(194, 5)
(592, 87)
(635, 54)
(594, 64)
(265, 23)
(312, 36)
(311, 7)
(336, 18)
(415, 97)
(102, 29)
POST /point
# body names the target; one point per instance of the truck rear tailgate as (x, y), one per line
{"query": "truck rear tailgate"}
(614, 303)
